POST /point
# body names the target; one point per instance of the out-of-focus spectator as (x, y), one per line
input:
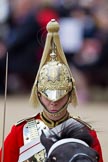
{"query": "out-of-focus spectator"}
(4, 11)
(92, 59)
(22, 42)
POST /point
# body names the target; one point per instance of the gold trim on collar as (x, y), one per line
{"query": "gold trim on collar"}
(51, 123)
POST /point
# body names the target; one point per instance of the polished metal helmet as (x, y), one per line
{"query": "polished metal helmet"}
(54, 78)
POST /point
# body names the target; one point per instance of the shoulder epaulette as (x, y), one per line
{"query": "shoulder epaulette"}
(83, 122)
(25, 119)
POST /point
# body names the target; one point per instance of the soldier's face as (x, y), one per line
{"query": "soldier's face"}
(54, 107)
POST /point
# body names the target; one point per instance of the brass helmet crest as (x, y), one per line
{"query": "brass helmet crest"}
(54, 78)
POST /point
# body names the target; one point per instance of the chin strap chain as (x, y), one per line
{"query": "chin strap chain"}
(4, 110)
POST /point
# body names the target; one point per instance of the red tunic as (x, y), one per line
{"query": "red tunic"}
(14, 141)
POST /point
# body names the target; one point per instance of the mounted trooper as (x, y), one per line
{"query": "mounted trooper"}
(54, 89)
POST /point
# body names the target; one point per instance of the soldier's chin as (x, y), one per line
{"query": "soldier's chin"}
(51, 111)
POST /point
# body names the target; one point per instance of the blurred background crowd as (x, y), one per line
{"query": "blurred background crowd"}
(83, 34)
